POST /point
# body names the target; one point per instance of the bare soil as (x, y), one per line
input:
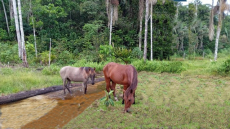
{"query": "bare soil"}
(51, 110)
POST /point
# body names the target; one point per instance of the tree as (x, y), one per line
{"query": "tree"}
(141, 8)
(17, 29)
(35, 44)
(146, 28)
(112, 12)
(153, 2)
(6, 18)
(222, 7)
(24, 58)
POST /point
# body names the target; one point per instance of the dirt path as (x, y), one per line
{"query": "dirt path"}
(51, 110)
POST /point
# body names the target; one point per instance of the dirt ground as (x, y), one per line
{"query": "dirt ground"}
(52, 110)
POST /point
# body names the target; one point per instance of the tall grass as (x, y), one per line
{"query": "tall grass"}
(21, 79)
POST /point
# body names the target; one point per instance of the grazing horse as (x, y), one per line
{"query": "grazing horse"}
(81, 74)
(125, 75)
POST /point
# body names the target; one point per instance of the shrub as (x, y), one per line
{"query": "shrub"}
(51, 70)
(159, 66)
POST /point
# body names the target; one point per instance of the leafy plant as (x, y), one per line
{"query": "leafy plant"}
(106, 100)
(123, 53)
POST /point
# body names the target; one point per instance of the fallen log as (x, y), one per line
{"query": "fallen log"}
(31, 93)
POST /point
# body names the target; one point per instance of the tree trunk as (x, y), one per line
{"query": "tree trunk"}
(6, 17)
(35, 44)
(50, 52)
(141, 7)
(218, 31)
(11, 11)
(17, 29)
(25, 64)
(146, 29)
(151, 30)
(211, 26)
(111, 25)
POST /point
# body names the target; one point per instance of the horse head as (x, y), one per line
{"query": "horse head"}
(129, 99)
(92, 75)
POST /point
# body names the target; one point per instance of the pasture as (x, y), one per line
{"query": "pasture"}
(165, 100)
(193, 95)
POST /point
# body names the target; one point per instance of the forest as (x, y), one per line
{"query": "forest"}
(80, 29)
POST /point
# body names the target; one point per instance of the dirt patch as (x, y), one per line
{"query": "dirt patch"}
(51, 110)
(31, 93)
(17, 114)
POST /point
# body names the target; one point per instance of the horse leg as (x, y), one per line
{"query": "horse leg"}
(85, 83)
(134, 97)
(107, 80)
(124, 89)
(67, 86)
(64, 83)
(113, 88)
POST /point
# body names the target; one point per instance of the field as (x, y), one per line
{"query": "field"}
(165, 100)
(188, 94)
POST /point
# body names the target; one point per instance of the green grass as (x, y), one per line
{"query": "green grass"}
(21, 79)
(165, 100)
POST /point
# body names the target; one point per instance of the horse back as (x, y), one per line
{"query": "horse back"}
(118, 73)
(72, 73)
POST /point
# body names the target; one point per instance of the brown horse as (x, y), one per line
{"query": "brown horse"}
(76, 74)
(125, 75)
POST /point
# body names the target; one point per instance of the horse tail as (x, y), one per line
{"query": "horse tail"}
(134, 81)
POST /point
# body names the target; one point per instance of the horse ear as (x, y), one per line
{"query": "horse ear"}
(94, 68)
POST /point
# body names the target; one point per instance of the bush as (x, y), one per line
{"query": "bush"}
(51, 70)
(159, 66)
(224, 68)
(9, 53)
(137, 53)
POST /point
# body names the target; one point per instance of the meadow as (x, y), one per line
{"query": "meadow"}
(170, 94)
(165, 100)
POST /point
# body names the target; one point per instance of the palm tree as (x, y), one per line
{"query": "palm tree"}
(146, 28)
(220, 8)
(17, 29)
(112, 12)
(141, 8)
(6, 17)
(153, 2)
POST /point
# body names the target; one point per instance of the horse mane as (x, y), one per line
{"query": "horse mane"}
(87, 69)
(133, 85)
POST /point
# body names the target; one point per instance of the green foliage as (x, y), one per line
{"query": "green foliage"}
(9, 53)
(3, 34)
(137, 53)
(65, 57)
(51, 70)
(159, 66)
(106, 100)
(223, 68)
(122, 53)
(105, 52)
(44, 57)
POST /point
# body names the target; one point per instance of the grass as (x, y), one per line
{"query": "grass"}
(21, 79)
(168, 101)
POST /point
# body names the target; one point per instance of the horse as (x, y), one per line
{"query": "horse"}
(76, 74)
(125, 75)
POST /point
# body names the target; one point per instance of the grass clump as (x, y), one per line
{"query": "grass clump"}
(21, 79)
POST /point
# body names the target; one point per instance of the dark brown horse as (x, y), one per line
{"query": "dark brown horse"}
(82, 74)
(125, 75)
